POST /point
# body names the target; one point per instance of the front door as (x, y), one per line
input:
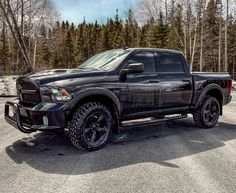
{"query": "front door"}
(140, 91)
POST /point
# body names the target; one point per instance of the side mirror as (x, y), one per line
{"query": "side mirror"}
(133, 68)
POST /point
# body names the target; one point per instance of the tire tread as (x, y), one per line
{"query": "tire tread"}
(76, 135)
(198, 113)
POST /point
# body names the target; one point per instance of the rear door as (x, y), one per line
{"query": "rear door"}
(176, 81)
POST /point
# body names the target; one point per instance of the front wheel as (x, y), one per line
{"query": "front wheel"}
(91, 126)
(207, 113)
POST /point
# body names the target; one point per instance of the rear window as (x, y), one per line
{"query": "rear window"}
(170, 62)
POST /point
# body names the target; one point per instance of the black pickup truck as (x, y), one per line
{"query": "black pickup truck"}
(112, 88)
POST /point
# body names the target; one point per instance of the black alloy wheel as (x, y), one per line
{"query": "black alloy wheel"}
(211, 112)
(96, 128)
(207, 113)
(91, 126)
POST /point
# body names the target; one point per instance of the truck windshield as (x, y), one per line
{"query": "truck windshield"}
(105, 61)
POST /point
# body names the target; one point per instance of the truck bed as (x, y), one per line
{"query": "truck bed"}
(202, 79)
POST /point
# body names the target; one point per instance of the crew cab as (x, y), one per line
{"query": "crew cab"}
(98, 97)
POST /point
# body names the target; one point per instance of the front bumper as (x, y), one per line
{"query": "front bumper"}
(43, 117)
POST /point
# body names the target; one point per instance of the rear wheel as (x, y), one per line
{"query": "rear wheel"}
(91, 126)
(207, 113)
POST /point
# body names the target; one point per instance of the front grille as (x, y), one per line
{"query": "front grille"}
(28, 91)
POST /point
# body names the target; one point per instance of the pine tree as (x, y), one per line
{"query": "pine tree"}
(69, 54)
(57, 53)
(79, 45)
(131, 30)
(158, 33)
(43, 53)
(175, 34)
(105, 38)
(95, 39)
(142, 36)
(116, 28)
(211, 36)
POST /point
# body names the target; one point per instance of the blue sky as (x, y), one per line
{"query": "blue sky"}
(92, 10)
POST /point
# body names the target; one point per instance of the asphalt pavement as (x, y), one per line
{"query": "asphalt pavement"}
(175, 156)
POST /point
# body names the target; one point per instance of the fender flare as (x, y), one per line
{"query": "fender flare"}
(206, 90)
(95, 91)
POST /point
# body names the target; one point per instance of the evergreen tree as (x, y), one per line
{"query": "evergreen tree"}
(43, 53)
(57, 56)
(175, 34)
(211, 36)
(158, 34)
(131, 30)
(105, 38)
(79, 45)
(69, 49)
(116, 28)
(142, 36)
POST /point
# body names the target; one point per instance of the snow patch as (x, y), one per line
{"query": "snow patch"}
(234, 85)
(8, 86)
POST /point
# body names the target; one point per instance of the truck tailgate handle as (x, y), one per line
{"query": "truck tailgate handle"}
(154, 81)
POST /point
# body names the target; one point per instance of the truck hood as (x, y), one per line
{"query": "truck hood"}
(63, 76)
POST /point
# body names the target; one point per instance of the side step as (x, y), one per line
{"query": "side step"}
(145, 122)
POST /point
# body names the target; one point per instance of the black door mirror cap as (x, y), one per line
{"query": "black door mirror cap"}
(133, 68)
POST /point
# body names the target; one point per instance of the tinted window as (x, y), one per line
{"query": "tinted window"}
(147, 58)
(107, 61)
(170, 62)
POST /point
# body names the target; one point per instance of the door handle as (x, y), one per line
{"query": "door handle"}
(154, 81)
(185, 80)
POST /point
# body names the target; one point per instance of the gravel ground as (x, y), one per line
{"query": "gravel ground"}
(171, 157)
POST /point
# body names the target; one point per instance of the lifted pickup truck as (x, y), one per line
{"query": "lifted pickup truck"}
(97, 98)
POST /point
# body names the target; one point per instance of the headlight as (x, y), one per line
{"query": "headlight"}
(55, 94)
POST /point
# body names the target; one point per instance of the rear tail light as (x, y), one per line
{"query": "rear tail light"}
(230, 86)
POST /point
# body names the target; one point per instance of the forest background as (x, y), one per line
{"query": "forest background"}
(34, 37)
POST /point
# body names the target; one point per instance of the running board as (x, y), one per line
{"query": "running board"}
(135, 123)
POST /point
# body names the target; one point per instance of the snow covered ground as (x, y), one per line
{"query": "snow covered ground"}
(7, 86)
(234, 85)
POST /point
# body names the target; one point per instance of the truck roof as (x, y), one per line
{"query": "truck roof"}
(156, 49)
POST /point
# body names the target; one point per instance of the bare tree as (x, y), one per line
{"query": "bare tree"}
(200, 8)
(23, 19)
(219, 3)
(226, 35)
(11, 21)
(151, 8)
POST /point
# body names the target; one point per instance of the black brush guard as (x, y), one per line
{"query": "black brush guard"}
(17, 122)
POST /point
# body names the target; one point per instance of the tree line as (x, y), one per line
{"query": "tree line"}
(204, 30)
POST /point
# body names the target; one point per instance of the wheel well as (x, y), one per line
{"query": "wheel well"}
(218, 95)
(105, 101)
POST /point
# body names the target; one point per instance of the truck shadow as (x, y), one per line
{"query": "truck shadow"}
(158, 144)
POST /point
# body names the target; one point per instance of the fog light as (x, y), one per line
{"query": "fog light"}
(12, 111)
(45, 120)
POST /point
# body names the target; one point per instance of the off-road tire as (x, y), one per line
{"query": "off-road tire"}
(198, 114)
(77, 127)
